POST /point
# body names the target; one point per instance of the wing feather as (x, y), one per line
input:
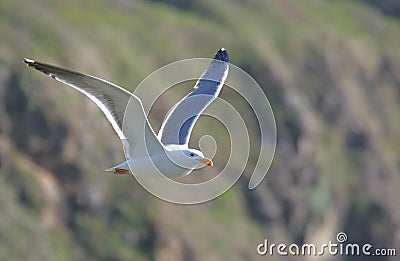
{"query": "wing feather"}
(112, 101)
(179, 122)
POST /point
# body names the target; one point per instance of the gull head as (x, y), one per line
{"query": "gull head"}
(189, 158)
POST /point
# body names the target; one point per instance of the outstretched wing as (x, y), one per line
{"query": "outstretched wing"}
(112, 101)
(179, 122)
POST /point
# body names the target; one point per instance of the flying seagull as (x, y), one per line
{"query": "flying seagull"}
(168, 150)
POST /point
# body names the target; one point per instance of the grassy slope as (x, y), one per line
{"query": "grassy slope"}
(328, 55)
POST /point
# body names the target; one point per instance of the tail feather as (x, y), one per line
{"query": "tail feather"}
(118, 171)
(122, 168)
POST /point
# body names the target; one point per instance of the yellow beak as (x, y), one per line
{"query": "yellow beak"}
(207, 162)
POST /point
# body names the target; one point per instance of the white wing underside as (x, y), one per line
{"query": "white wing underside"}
(178, 124)
(135, 132)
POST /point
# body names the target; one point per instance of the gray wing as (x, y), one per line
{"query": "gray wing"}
(179, 122)
(112, 101)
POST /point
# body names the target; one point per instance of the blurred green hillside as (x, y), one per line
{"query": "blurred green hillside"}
(331, 70)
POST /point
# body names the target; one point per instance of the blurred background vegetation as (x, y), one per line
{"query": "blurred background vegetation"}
(331, 70)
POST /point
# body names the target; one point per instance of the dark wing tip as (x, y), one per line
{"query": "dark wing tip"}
(37, 65)
(29, 62)
(222, 55)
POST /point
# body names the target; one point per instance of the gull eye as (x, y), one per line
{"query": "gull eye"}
(191, 154)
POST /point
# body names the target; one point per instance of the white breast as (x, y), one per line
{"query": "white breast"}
(156, 164)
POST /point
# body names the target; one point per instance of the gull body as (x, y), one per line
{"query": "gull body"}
(147, 154)
(171, 164)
